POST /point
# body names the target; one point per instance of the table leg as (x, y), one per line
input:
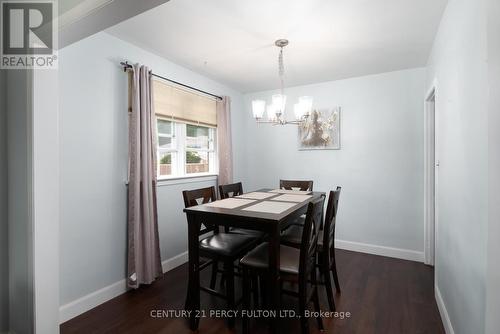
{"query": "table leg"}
(193, 293)
(274, 279)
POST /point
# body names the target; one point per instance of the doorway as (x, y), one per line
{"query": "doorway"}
(431, 163)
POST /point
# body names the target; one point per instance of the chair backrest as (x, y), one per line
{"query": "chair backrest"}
(331, 218)
(309, 242)
(193, 197)
(302, 185)
(197, 197)
(230, 190)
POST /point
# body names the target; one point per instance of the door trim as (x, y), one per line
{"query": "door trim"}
(430, 176)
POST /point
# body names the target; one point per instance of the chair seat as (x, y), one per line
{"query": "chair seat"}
(227, 244)
(258, 258)
(253, 233)
(293, 235)
(299, 221)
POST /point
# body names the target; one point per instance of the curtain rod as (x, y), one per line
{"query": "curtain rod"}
(126, 66)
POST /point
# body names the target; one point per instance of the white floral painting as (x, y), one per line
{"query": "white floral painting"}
(321, 131)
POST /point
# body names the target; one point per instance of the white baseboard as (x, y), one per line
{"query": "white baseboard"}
(398, 253)
(96, 298)
(88, 302)
(174, 262)
(448, 328)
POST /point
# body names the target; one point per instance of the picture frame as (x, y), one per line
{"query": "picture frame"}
(321, 131)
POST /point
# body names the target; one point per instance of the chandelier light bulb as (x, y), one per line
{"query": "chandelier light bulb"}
(298, 110)
(271, 112)
(258, 108)
(306, 102)
(279, 102)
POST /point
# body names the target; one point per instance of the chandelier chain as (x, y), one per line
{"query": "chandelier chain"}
(281, 70)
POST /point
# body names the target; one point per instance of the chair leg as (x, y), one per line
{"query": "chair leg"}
(334, 270)
(255, 288)
(315, 297)
(263, 291)
(213, 278)
(328, 282)
(304, 325)
(246, 300)
(222, 282)
(187, 302)
(228, 268)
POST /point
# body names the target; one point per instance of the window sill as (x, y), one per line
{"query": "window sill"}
(186, 179)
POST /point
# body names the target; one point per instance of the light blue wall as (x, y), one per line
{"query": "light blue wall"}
(4, 250)
(93, 162)
(458, 63)
(380, 164)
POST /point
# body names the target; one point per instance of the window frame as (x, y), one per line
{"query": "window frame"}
(179, 165)
(210, 151)
(174, 151)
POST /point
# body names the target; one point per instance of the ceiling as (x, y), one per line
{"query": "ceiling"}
(232, 41)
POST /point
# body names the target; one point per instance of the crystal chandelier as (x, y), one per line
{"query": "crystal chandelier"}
(276, 110)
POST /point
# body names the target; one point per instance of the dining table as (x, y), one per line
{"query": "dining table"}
(267, 210)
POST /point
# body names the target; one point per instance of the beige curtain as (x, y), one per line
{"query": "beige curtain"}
(144, 262)
(224, 141)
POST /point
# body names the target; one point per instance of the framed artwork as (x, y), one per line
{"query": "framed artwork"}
(321, 131)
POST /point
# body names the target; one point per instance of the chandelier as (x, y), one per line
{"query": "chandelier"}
(276, 110)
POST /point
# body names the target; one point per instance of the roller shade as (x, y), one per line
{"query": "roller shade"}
(182, 105)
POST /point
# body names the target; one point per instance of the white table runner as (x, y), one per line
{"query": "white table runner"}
(285, 191)
(256, 195)
(229, 203)
(291, 198)
(270, 207)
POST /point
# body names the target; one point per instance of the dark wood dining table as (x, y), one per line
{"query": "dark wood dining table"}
(271, 223)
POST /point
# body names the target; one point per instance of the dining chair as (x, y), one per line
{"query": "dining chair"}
(302, 185)
(219, 247)
(296, 265)
(232, 190)
(326, 245)
(293, 184)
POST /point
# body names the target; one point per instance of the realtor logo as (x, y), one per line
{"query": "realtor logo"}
(28, 35)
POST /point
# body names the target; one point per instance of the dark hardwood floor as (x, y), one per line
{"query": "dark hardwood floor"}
(382, 295)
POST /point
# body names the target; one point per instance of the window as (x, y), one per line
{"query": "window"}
(167, 147)
(186, 125)
(199, 147)
(185, 149)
